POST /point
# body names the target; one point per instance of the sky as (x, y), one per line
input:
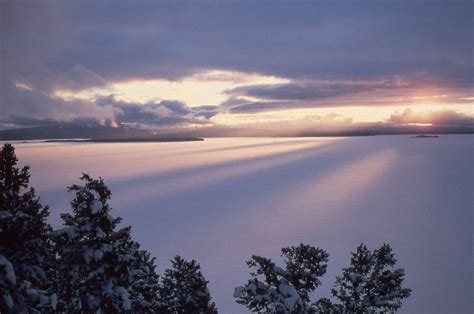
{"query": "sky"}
(273, 65)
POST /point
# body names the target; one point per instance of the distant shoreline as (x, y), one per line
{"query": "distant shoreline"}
(103, 134)
(200, 139)
(125, 140)
(113, 140)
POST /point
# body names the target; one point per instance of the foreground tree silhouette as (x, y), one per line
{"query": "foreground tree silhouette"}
(283, 290)
(94, 259)
(101, 268)
(25, 250)
(370, 284)
(144, 288)
(184, 289)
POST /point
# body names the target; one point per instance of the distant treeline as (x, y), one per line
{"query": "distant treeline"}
(98, 133)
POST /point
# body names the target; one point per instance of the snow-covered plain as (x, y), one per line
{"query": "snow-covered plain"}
(222, 200)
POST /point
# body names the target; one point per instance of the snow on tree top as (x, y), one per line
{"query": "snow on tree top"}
(8, 269)
(96, 206)
(238, 292)
(5, 215)
(87, 255)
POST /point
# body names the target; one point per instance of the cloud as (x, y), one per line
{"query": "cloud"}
(308, 91)
(254, 107)
(52, 45)
(158, 114)
(79, 78)
(303, 94)
(236, 104)
(397, 90)
(439, 118)
(314, 40)
(29, 106)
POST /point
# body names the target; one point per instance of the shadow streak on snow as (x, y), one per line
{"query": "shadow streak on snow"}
(199, 176)
(234, 184)
(186, 174)
(256, 145)
(166, 149)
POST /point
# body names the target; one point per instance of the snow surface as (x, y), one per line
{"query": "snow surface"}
(222, 200)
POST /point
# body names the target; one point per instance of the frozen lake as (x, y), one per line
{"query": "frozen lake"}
(222, 200)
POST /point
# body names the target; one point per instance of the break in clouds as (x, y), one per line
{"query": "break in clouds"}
(329, 54)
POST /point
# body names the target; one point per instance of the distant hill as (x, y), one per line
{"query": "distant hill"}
(99, 133)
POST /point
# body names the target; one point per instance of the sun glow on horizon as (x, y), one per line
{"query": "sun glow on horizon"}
(356, 114)
(202, 88)
(208, 88)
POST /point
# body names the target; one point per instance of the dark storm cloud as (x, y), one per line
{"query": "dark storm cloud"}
(123, 39)
(76, 45)
(342, 39)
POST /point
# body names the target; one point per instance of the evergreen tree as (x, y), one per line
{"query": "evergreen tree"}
(26, 257)
(94, 259)
(144, 288)
(370, 284)
(184, 289)
(276, 290)
(325, 306)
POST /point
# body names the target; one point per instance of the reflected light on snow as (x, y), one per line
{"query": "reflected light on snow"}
(329, 196)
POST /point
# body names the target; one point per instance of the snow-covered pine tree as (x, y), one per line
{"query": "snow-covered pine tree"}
(370, 284)
(276, 290)
(325, 306)
(25, 247)
(145, 285)
(94, 259)
(184, 289)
